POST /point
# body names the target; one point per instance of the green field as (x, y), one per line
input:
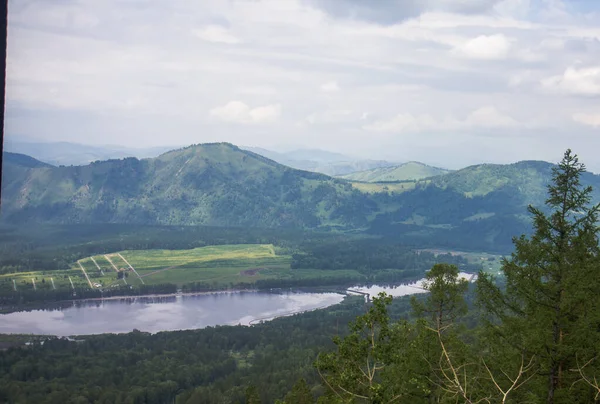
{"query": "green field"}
(219, 266)
(43, 279)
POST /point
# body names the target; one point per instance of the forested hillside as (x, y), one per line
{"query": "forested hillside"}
(532, 337)
(212, 184)
(412, 170)
(477, 208)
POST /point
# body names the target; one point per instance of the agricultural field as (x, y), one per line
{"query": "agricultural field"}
(43, 280)
(219, 266)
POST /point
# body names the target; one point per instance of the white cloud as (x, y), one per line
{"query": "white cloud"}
(578, 81)
(489, 117)
(485, 117)
(237, 111)
(150, 68)
(331, 116)
(330, 87)
(216, 33)
(592, 119)
(486, 47)
(404, 123)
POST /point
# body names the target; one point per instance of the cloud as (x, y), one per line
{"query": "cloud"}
(393, 11)
(127, 72)
(216, 33)
(489, 117)
(592, 119)
(332, 116)
(486, 47)
(238, 112)
(578, 81)
(330, 87)
(485, 117)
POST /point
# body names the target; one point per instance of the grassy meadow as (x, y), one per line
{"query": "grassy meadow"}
(220, 266)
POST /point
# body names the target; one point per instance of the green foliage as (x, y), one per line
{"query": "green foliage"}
(541, 338)
(300, 394)
(210, 184)
(477, 208)
(211, 365)
(549, 307)
(445, 301)
(252, 396)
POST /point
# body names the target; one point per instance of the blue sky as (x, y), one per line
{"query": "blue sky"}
(448, 82)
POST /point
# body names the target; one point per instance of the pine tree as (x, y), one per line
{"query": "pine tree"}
(548, 308)
(300, 394)
(252, 395)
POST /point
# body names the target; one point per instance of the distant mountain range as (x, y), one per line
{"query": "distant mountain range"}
(412, 170)
(321, 161)
(67, 154)
(478, 208)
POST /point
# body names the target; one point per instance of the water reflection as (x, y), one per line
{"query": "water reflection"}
(162, 313)
(180, 312)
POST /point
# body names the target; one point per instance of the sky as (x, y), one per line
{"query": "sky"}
(446, 82)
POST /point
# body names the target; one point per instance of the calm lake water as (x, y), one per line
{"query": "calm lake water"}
(182, 312)
(155, 314)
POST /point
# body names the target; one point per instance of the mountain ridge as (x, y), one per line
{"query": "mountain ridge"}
(220, 184)
(411, 170)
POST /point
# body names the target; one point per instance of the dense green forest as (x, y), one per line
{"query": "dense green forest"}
(532, 335)
(476, 208)
(212, 365)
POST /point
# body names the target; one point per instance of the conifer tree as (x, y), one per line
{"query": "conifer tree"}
(548, 307)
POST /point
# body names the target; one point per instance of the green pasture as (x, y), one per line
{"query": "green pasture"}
(220, 266)
(43, 279)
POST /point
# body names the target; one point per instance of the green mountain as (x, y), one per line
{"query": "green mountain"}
(412, 170)
(476, 208)
(479, 207)
(22, 160)
(210, 184)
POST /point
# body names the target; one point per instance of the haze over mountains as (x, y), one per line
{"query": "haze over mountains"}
(413, 170)
(65, 153)
(222, 185)
(321, 161)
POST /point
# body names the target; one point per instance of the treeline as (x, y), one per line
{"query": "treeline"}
(55, 247)
(369, 256)
(534, 337)
(16, 299)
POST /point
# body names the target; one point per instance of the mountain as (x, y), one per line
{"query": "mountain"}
(412, 170)
(320, 161)
(22, 160)
(65, 153)
(477, 208)
(211, 184)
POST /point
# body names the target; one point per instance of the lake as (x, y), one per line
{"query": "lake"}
(170, 313)
(180, 312)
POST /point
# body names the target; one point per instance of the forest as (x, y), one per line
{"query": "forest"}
(532, 335)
